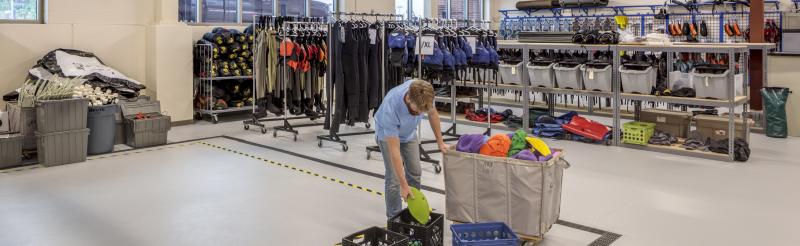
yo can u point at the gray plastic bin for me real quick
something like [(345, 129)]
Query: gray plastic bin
[(511, 74), (541, 76), (145, 132), (61, 115), (595, 79), (59, 148), (569, 77), (10, 150), (103, 129), (23, 120)]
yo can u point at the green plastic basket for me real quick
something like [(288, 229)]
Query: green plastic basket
[(637, 132)]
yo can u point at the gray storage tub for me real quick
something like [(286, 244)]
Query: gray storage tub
[(102, 125), (61, 115), (10, 150), (59, 148), (23, 120), (526, 195), (145, 132)]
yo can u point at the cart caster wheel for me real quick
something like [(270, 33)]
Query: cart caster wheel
[(368, 126), (369, 154), (438, 169), (198, 116), (263, 130), (345, 147), (275, 134), (214, 119), (246, 127), (295, 137), (319, 144)]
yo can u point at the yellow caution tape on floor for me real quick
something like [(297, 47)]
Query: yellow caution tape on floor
[(293, 168)]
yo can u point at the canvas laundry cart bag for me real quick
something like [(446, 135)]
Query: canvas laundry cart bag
[(526, 195)]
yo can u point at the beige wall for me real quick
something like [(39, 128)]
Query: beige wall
[(782, 71), (367, 6), (140, 38), (112, 29)]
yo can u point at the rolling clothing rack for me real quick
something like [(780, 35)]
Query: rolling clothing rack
[(422, 23), (260, 28), (334, 135)]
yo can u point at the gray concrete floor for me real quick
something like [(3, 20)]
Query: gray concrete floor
[(193, 194)]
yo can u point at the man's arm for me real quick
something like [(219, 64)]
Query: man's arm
[(436, 125), (397, 164)]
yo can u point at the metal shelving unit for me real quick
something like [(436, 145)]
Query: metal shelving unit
[(617, 97), (205, 86)]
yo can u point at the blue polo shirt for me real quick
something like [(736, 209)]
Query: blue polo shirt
[(393, 118)]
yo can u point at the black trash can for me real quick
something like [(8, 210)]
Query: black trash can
[(775, 111), (102, 128)]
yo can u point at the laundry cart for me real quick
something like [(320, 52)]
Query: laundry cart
[(526, 195)]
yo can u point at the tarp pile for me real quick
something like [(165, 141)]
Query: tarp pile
[(68, 63)]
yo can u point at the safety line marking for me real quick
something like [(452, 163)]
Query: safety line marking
[(300, 170), (100, 157), (140, 151)]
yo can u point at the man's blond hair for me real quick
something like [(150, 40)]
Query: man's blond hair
[(421, 94)]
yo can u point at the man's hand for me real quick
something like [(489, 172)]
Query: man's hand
[(443, 147), (405, 193)]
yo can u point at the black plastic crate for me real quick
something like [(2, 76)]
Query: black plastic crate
[(375, 237), (431, 234)]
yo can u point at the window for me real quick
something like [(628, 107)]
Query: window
[(401, 7), (320, 8), (461, 9), (251, 8), (418, 8), (21, 10), (292, 7), (475, 9), (457, 9), (187, 10), (220, 11), (441, 9), (241, 11)]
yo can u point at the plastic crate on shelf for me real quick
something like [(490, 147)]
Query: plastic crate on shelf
[(375, 237), (23, 120), (542, 76), (483, 234), (569, 77), (715, 86), (148, 131), (635, 132), (635, 81), (431, 234), (511, 74), (595, 79), (59, 148), (10, 150), (61, 115)]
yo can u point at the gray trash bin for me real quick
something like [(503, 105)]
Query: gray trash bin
[(103, 127)]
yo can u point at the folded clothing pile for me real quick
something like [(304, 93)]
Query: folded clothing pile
[(663, 138), (517, 145), (549, 127), (488, 115)]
